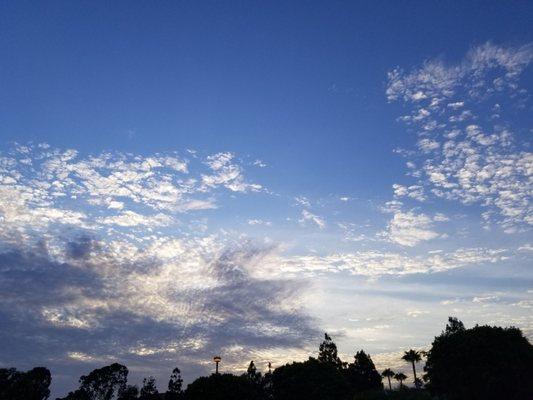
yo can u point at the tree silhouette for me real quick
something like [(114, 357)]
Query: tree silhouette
[(453, 326), (130, 393), (267, 384), (252, 374), (222, 387), (30, 385), (175, 386), (362, 374), (481, 363), (419, 383), (413, 357), (149, 389), (400, 377), (76, 395), (104, 383), (388, 373), (309, 380), (327, 352)]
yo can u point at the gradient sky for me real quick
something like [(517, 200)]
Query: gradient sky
[(184, 179)]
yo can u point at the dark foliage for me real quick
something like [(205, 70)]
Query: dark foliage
[(252, 374), (480, 363), (105, 383), (388, 373), (362, 374), (31, 385), (327, 352), (175, 386), (222, 387), (310, 380), (400, 377), (267, 386), (76, 395), (130, 393), (413, 357), (404, 394), (149, 390)]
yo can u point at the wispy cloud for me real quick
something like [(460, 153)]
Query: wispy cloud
[(308, 216), (374, 263), (227, 173)]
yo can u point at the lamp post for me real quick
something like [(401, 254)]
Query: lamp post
[(216, 359)]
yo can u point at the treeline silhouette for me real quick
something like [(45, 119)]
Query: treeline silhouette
[(481, 363)]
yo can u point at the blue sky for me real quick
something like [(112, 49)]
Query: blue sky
[(237, 178)]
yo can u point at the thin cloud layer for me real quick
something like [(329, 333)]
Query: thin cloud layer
[(380, 263)]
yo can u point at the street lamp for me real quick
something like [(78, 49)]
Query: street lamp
[(217, 359)]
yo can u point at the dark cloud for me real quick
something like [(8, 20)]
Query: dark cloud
[(80, 248), (31, 279), (248, 312)]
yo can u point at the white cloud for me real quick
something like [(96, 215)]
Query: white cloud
[(436, 80), (392, 206), (303, 201), (470, 162), (409, 229), (439, 217), (60, 187), (456, 105), (378, 263), (307, 216), (130, 218), (485, 299), (259, 222), (260, 164), (414, 191), (115, 205), (227, 174), (416, 313), (427, 145)]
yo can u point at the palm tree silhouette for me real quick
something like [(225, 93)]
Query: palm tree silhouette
[(400, 377), (388, 373), (413, 357)]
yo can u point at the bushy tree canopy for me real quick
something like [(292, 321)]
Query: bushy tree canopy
[(175, 386), (309, 380), (30, 385), (327, 352), (130, 393), (362, 374), (149, 389), (482, 363), (222, 387), (252, 374), (105, 383)]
